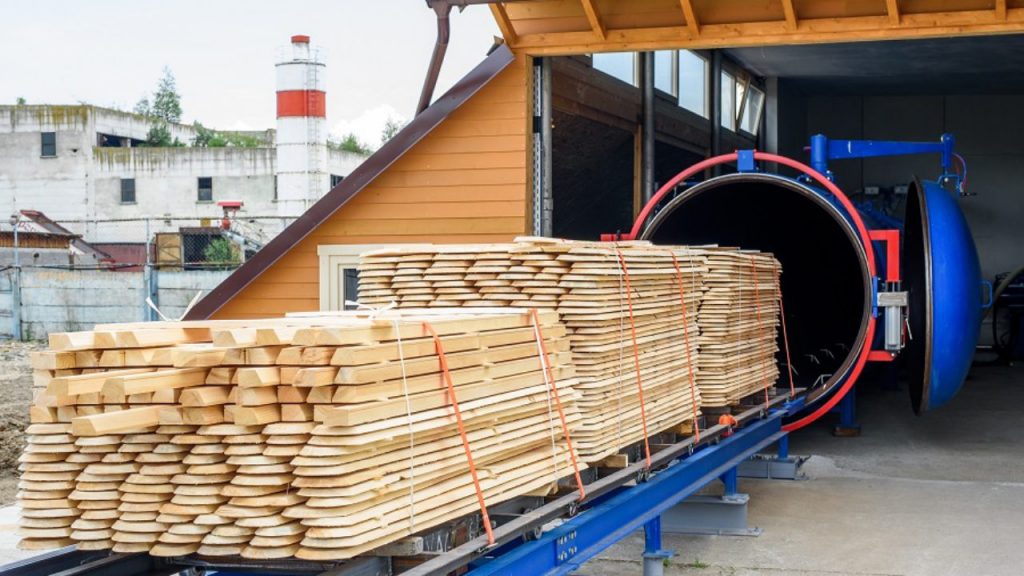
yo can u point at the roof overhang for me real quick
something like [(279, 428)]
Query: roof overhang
[(564, 27)]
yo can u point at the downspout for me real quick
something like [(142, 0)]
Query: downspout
[(443, 9)]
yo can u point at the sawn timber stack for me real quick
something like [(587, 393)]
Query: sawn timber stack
[(319, 437), (630, 308)]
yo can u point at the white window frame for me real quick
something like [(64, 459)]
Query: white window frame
[(335, 259)]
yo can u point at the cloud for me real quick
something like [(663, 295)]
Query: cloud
[(369, 125)]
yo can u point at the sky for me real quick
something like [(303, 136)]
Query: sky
[(222, 54)]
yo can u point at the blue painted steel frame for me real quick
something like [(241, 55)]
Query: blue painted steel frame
[(565, 548), (823, 149)]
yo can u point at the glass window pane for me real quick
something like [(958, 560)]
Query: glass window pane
[(621, 65), (693, 78), (48, 141), (752, 113), (663, 71), (728, 101), (205, 189), (127, 190)]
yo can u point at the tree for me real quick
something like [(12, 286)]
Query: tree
[(159, 135), (166, 100), (221, 252), (391, 127), (21, 101), (142, 107), (350, 143)]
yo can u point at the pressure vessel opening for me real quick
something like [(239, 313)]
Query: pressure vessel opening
[(825, 279)]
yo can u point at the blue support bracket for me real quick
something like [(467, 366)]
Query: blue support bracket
[(745, 161), (632, 508)]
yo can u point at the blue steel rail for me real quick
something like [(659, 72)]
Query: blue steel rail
[(616, 506)]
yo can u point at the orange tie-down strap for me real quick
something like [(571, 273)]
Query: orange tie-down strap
[(636, 354), (760, 332), (462, 430), (785, 342), (686, 341), (545, 364)]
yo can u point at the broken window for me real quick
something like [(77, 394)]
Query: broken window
[(48, 141), (205, 189)]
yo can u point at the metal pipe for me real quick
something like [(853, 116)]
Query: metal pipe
[(443, 9), (715, 84), (647, 132)]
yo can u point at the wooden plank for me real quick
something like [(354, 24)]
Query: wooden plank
[(892, 8), (790, 11), (504, 24), (259, 376), (690, 15), (594, 17), (88, 383), (154, 381), (121, 421), (205, 396)]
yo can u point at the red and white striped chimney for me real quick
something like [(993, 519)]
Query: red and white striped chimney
[(302, 176)]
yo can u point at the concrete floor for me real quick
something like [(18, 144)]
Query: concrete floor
[(941, 494)]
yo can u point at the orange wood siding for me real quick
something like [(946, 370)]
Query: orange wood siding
[(466, 181)]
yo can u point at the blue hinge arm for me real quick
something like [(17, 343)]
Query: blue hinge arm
[(824, 149)]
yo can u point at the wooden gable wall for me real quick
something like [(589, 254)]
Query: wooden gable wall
[(466, 181)]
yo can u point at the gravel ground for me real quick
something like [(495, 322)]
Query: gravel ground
[(15, 397)]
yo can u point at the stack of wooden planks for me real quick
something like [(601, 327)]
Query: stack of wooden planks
[(316, 436), (630, 308), (739, 321)]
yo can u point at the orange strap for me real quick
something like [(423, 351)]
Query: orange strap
[(443, 361), (545, 364), (760, 333), (686, 341), (785, 341), (636, 355)]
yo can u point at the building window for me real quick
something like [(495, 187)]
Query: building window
[(335, 180), (665, 71), (693, 83), (751, 119), (205, 189), (48, 141), (621, 65), (729, 104), (127, 190), (350, 287)]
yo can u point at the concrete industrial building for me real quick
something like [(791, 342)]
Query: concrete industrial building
[(86, 166)]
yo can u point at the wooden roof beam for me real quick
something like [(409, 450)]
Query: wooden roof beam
[(504, 22), (893, 8), (1001, 9), (790, 11), (594, 18), (691, 16)]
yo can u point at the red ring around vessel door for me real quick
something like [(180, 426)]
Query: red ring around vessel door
[(862, 231)]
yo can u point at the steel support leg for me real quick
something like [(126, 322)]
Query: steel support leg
[(778, 466), (708, 514), (654, 556), (848, 426)]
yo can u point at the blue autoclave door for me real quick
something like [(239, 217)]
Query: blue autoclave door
[(943, 278)]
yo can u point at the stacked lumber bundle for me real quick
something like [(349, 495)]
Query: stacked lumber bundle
[(739, 321), (630, 308), (319, 437)]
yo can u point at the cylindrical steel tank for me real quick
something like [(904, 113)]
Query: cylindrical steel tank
[(833, 271)]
